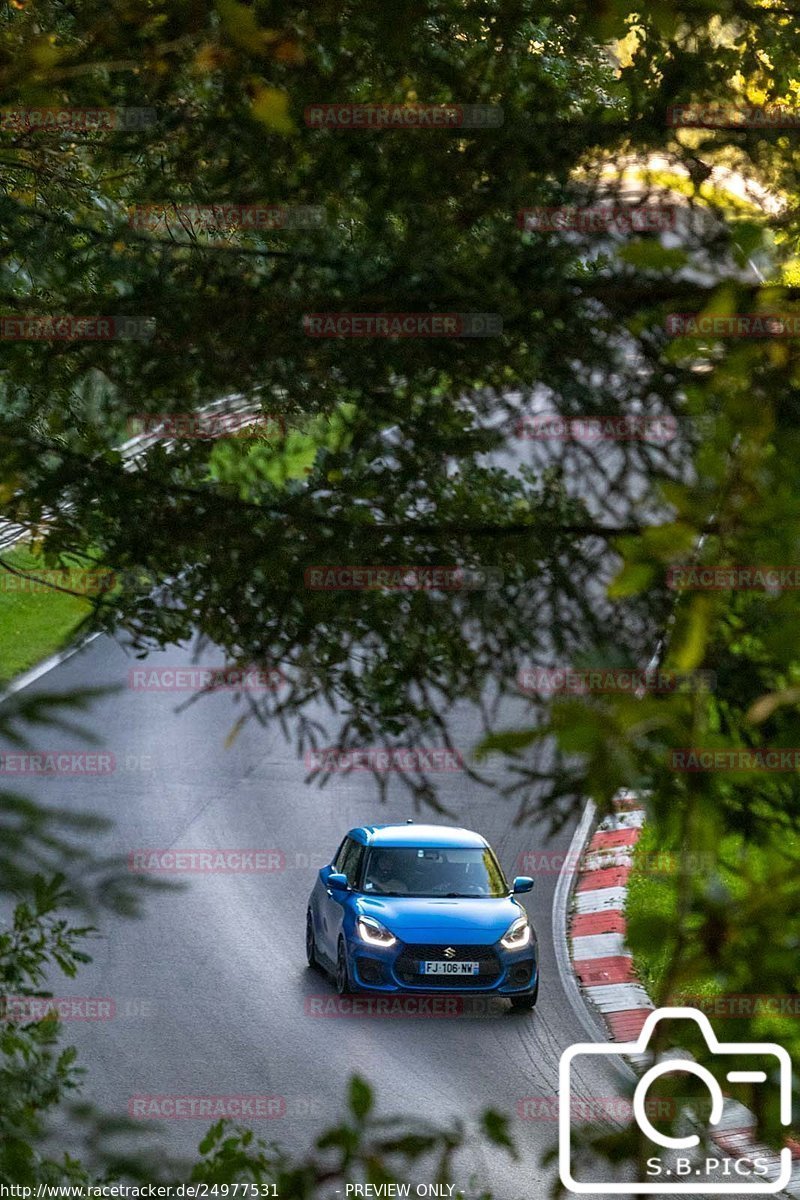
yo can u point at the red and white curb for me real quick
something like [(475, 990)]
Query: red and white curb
[(604, 968)]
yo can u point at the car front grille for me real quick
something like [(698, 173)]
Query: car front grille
[(407, 966)]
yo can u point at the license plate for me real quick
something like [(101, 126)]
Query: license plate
[(450, 968)]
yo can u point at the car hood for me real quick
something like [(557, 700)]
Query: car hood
[(481, 921)]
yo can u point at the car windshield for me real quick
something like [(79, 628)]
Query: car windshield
[(432, 871)]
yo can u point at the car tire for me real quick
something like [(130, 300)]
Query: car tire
[(342, 977), (527, 1002), (311, 942)]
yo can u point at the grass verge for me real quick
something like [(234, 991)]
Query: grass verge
[(737, 873), (34, 623)]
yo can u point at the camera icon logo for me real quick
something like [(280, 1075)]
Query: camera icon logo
[(684, 1171)]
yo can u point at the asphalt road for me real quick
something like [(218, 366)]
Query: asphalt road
[(210, 989), (211, 992)]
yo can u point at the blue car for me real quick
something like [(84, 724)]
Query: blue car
[(421, 908)]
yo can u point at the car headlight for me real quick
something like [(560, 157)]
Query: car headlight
[(517, 935), (370, 930)]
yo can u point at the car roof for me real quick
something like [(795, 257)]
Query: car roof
[(417, 835)]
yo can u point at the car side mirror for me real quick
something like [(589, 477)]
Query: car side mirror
[(522, 883), (337, 882)]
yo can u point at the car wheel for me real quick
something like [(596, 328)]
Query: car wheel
[(342, 975), (311, 945), (526, 1002)]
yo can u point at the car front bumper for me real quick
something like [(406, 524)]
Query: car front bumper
[(393, 970)]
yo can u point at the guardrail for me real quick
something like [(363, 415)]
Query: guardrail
[(134, 449)]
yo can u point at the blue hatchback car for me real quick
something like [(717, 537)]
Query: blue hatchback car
[(422, 908)]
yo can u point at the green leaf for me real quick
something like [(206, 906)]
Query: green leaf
[(241, 25), (212, 1136), (510, 741), (495, 1126), (359, 1097), (631, 580), (690, 651), (649, 255), (271, 106)]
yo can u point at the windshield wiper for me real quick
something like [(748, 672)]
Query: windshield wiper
[(465, 896)]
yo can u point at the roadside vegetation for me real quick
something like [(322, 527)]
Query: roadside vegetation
[(37, 619), (659, 907)]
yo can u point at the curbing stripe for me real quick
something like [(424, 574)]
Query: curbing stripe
[(611, 839), (606, 877), (602, 899), (598, 945), (566, 877), (620, 997), (629, 819), (591, 924), (626, 1025), (596, 971), (736, 1116), (604, 966), (627, 798), (598, 860)]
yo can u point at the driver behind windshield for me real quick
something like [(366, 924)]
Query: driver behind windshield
[(409, 871), (382, 876)]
